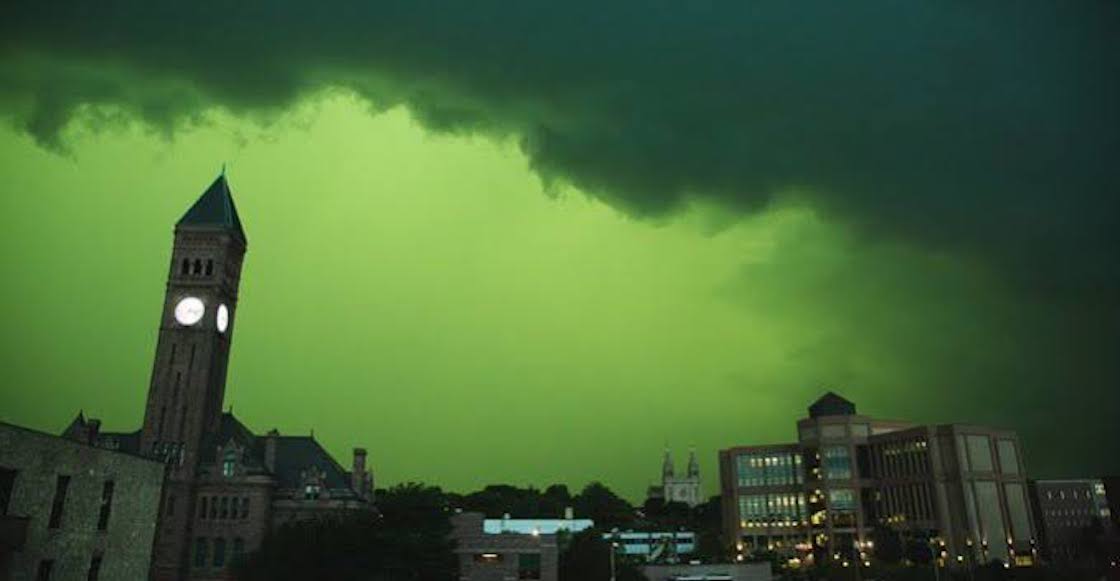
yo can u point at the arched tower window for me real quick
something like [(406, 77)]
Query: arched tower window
[(197, 267), (186, 267), (209, 266)]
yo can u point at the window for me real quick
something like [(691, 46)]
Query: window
[(200, 547), (979, 453), (197, 267), (833, 432), (841, 500), (311, 492), (202, 508), (44, 573), (213, 508), (488, 558), (186, 267), (837, 462), (529, 566), (60, 488), (229, 462), (7, 485), (223, 513), (1008, 459), (106, 505), (238, 550), (245, 507), (219, 552), (94, 568), (209, 266)]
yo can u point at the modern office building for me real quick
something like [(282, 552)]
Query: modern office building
[(1066, 512), (960, 487), (70, 510), (503, 549)]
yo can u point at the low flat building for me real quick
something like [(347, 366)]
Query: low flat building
[(504, 549), (654, 546), (960, 486), (715, 572), (71, 510)]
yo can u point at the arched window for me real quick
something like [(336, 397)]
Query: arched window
[(209, 266), (219, 552), (185, 269), (197, 267)]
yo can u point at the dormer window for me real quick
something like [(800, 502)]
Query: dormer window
[(311, 492), (229, 463)]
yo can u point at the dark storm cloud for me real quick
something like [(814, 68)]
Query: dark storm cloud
[(988, 129)]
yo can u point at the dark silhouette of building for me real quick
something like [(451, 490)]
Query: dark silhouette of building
[(1073, 517), (226, 486)]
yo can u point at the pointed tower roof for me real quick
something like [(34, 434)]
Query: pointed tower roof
[(667, 464), (831, 404), (693, 465), (214, 209)]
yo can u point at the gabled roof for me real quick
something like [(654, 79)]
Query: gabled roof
[(831, 404), (214, 209)]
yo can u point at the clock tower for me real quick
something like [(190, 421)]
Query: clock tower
[(197, 321)]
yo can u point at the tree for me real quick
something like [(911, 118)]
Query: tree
[(607, 509), (588, 558), (409, 539)]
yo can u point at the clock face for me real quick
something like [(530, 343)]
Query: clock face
[(223, 318), (189, 311)]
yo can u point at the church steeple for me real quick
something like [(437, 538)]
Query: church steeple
[(667, 465), (693, 465)]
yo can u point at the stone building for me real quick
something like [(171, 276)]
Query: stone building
[(960, 487), (226, 486), (673, 488), (72, 511)]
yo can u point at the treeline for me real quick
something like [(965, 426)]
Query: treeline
[(409, 535)]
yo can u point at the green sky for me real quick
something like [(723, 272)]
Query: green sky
[(425, 296)]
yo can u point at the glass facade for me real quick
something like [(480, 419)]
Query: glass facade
[(1008, 458), (1017, 510), (837, 462), (842, 500), (991, 519), (782, 509), (979, 453), (769, 469)]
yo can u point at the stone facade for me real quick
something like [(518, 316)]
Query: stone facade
[(226, 486), (77, 507)]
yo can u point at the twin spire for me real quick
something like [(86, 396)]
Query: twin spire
[(667, 468)]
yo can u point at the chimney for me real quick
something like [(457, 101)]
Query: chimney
[(93, 429), (358, 472), (270, 449)]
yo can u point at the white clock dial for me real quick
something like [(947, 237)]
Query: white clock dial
[(189, 311), (222, 319)]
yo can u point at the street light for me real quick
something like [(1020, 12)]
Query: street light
[(614, 548)]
